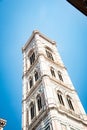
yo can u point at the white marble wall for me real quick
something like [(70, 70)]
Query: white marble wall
[(59, 117)]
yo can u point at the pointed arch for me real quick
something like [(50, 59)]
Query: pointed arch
[(32, 110), (60, 98), (31, 81), (30, 51), (49, 53), (69, 100), (36, 75), (52, 71), (39, 102), (60, 75)]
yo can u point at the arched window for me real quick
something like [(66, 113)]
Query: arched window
[(36, 75), (32, 58), (31, 82), (49, 54), (60, 98), (39, 102), (60, 76), (70, 103), (52, 71), (32, 110)]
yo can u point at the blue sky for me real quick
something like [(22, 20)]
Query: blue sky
[(58, 20)]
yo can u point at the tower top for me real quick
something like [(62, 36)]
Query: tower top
[(49, 101), (39, 34)]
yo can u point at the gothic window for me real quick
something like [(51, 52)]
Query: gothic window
[(52, 72), (39, 102), (70, 103), (36, 75), (49, 55), (31, 82), (32, 58), (59, 94), (60, 76), (32, 110)]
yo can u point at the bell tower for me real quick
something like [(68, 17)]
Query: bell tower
[(50, 101)]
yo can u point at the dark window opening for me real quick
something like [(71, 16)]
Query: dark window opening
[(70, 103), (60, 99), (39, 102), (32, 58), (52, 72), (32, 110), (36, 76), (31, 82), (60, 76), (49, 55)]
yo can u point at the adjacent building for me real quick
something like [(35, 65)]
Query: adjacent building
[(50, 101), (2, 123), (81, 5)]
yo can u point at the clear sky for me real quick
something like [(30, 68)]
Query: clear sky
[(58, 20)]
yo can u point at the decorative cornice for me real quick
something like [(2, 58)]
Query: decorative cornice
[(71, 114), (61, 83), (61, 110), (37, 119), (32, 36), (41, 54), (39, 81)]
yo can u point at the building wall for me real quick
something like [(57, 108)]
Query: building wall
[(53, 114)]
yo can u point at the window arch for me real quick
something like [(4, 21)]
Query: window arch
[(52, 71), (32, 110), (32, 58), (39, 102), (60, 75), (36, 75), (31, 82), (49, 53), (59, 94), (70, 103)]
